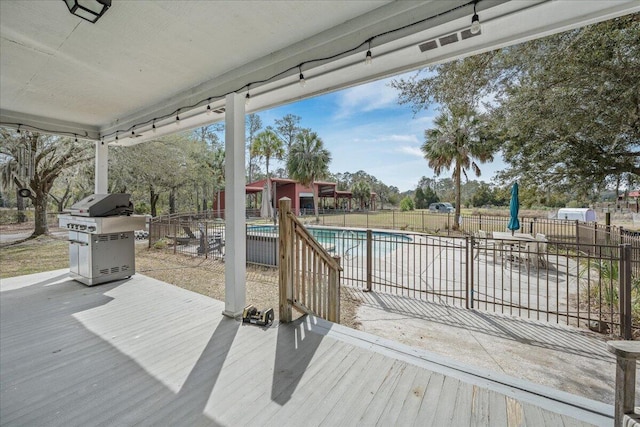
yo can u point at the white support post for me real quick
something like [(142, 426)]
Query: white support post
[(101, 181), (235, 207)]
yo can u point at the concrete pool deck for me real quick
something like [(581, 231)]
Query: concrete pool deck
[(562, 357)]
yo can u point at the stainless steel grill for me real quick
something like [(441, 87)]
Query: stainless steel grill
[(101, 238)]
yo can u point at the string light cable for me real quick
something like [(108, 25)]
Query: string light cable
[(207, 101)]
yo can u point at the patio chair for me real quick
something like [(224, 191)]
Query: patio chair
[(212, 243), (188, 232), (189, 239), (541, 253), (483, 242), (516, 254)]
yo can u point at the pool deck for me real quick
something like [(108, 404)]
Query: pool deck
[(144, 352)]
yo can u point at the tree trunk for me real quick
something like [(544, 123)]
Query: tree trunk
[(20, 206), (456, 220), (153, 200), (40, 214), (172, 201)]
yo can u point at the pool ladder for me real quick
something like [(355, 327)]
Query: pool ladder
[(347, 254)]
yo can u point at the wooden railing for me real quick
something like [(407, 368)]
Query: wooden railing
[(309, 276)]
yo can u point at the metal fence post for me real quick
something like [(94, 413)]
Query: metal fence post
[(149, 226), (469, 273), (175, 240), (369, 260), (625, 291)]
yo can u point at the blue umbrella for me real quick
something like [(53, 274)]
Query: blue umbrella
[(514, 207)]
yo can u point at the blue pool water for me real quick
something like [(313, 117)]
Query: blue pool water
[(345, 242)]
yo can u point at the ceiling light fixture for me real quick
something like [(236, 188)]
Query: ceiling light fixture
[(368, 59), (19, 129), (209, 107), (302, 81), (153, 128), (475, 20), (89, 10), (177, 118)]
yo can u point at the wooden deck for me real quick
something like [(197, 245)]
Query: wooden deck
[(147, 353)]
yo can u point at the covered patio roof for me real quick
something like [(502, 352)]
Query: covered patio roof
[(146, 62), (147, 66)]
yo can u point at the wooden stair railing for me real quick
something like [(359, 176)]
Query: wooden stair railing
[(309, 277)]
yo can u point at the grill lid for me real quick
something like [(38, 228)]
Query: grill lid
[(103, 205)]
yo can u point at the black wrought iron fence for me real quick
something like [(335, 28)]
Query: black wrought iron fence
[(574, 274), (548, 281)]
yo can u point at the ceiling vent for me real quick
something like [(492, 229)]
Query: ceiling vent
[(448, 39), (431, 44)]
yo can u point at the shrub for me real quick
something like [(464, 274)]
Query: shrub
[(161, 244), (407, 204)]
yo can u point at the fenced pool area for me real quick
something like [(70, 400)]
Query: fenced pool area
[(342, 242), (573, 282)]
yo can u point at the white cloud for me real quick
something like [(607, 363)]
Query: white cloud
[(368, 97), (402, 138), (413, 151)]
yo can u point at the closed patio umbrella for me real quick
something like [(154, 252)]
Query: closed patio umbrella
[(514, 208), (265, 206)]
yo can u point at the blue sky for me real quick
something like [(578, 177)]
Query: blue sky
[(366, 129)]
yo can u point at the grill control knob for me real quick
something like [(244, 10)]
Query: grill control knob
[(91, 229)]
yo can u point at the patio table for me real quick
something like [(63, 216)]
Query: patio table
[(526, 248)]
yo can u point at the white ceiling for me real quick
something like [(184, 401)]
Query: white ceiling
[(145, 60)]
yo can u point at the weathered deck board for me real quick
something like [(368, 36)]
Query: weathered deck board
[(426, 412), (497, 409), (445, 406), (463, 406), (413, 400), (479, 407), (358, 395), (147, 353), (392, 413)]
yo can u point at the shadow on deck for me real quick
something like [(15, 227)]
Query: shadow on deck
[(145, 352)]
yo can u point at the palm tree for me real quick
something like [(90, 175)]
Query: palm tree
[(362, 192), (267, 145), (456, 141), (308, 160)]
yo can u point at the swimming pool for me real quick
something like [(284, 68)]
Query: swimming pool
[(344, 242)]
